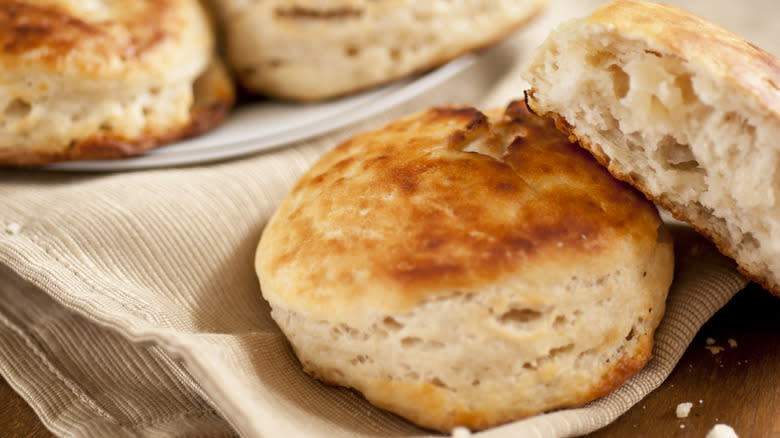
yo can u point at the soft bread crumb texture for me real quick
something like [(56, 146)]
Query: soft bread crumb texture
[(456, 268), (682, 109), (317, 50)]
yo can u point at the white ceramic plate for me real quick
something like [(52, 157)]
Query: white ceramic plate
[(270, 124)]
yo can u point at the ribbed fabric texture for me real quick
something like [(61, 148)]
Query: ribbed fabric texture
[(129, 304)]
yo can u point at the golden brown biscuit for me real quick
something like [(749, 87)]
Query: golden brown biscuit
[(681, 108), (466, 269), (309, 50), (82, 80)]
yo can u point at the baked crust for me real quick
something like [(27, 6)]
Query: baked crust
[(419, 157), (105, 80), (213, 99), (426, 404), (455, 267), (115, 38), (312, 51)]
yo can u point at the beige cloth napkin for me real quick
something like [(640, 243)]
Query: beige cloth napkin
[(129, 305)]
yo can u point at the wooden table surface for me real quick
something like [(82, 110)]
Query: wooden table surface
[(739, 385)]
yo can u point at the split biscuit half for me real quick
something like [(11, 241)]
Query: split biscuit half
[(684, 110)]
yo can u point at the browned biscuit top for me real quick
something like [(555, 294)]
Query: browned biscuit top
[(66, 34), (449, 198)]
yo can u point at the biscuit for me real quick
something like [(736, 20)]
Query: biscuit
[(308, 50), (682, 109), (84, 80), (466, 269)]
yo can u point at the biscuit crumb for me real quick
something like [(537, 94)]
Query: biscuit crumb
[(13, 228), (732, 343), (683, 409), (709, 341), (722, 431), (714, 349), (461, 432)]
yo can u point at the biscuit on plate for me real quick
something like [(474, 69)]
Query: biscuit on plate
[(310, 50), (466, 269), (681, 108), (84, 80)]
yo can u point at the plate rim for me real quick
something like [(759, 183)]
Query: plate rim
[(387, 97)]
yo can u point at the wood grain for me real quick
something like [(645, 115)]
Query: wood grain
[(17, 419), (739, 386)]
